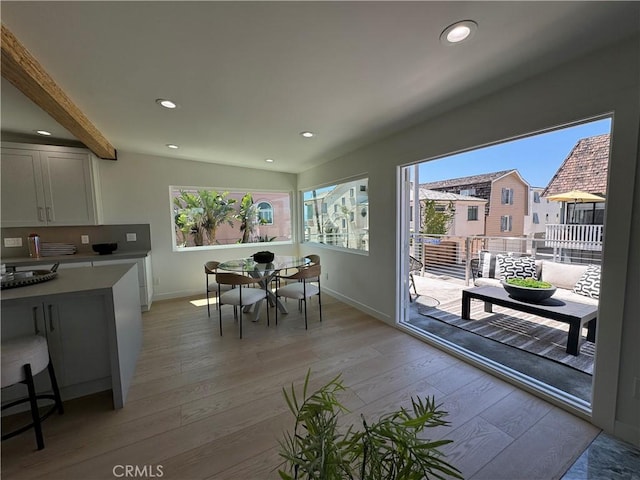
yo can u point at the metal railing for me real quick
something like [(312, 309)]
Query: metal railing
[(450, 256)]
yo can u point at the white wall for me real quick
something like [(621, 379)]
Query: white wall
[(135, 189), (601, 83)]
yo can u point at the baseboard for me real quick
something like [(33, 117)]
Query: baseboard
[(360, 306)]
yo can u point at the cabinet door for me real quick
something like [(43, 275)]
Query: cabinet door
[(22, 189), (68, 188), (78, 340), (21, 319)]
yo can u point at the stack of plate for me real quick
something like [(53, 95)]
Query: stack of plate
[(55, 249)]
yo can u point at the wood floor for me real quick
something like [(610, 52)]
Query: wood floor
[(209, 407)]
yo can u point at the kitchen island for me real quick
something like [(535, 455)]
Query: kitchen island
[(93, 325)]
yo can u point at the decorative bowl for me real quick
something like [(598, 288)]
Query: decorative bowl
[(104, 248), (263, 257), (528, 294)]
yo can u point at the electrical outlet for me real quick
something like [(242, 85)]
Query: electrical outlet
[(13, 242), (326, 275), (84, 239), (156, 281), (131, 237)]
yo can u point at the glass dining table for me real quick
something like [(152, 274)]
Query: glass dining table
[(267, 272)]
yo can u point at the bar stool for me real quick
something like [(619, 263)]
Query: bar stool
[(22, 358)]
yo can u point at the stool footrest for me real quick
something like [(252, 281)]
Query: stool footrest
[(44, 416)]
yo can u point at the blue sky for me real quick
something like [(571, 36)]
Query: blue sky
[(537, 158)]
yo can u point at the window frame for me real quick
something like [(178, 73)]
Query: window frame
[(472, 208), (237, 194), (357, 218), (506, 223)]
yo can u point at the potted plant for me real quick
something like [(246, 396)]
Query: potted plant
[(528, 289), (389, 448)]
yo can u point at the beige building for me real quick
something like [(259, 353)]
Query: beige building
[(507, 194)]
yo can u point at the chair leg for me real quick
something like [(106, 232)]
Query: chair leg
[(54, 387), (35, 414), (208, 307), (220, 317), (305, 313), (320, 305), (266, 301)]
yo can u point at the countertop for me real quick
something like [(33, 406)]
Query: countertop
[(76, 258), (72, 280)]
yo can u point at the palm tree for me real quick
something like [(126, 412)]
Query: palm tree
[(217, 209), (248, 217), (200, 214)]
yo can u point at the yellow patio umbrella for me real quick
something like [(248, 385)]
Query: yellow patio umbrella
[(576, 196)]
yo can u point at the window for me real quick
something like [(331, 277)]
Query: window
[(265, 213), (347, 224), (472, 213), (507, 196), (536, 197), (210, 217), (470, 192), (505, 223), (535, 218)]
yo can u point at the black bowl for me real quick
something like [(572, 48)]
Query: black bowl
[(104, 248), (528, 294), (263, 257)]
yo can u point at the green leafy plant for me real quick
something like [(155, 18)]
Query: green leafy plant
[(528, 282), (388, 449), (436, 221)]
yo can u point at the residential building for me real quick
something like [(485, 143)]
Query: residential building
[(542, 212), (468, 212), (507, 195), (579, 80), (585, 169)]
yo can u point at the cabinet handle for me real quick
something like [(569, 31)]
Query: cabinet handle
[(48, 209), (40, 214), (35, 320), (51, 327)]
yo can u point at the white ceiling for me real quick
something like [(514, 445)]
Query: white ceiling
[(249, 76)]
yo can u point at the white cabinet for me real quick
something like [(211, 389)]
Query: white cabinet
[(75, 328), (144, 277), (49, 185)]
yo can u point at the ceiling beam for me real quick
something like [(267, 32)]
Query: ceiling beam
[(25, 72)]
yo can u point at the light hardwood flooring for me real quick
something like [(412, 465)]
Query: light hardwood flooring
[(204, 406)]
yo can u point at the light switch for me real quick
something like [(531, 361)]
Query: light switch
[(131, 237)]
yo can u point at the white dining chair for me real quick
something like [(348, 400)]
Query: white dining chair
[(239, 297), (302, 288)]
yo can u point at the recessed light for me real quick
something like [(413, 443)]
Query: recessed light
[(172, 146), (268, 160), (307, 134), (43, 132), (163, 102), (458, 32)]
